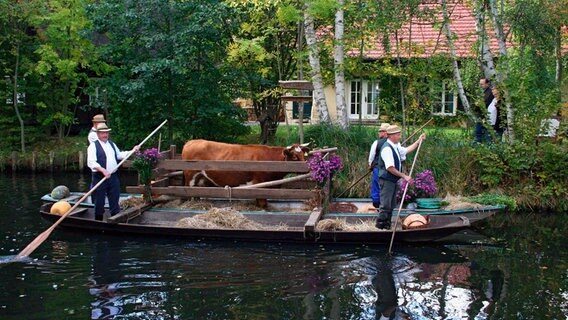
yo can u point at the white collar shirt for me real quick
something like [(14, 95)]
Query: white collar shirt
[(92, 137), (387, 156), (111, 164)]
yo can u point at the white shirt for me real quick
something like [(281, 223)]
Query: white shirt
[(111, 164), (401, 151), (372, 152), (386, 154), (92, 137), (492, 111)]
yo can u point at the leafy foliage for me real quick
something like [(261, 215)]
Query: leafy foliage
[(494, 199), (169, 59)]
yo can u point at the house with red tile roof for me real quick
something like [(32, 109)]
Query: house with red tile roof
[(421, 38)]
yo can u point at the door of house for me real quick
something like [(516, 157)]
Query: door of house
[(364, 99)]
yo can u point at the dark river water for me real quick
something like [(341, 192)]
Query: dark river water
[(521, 274)]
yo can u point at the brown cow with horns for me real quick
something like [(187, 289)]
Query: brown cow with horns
[(211, 150)]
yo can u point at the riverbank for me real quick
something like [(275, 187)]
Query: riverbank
[(534, 176), (69, 154)]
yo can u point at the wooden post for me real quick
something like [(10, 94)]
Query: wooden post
[(172, 151), (81, 161), (34, 164), (14, 160), (51, 159)]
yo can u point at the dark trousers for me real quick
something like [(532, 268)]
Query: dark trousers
[(480, 133), (375, 188), (109, 188), (388, 202)]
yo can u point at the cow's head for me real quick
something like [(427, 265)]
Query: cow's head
[(296, 152)]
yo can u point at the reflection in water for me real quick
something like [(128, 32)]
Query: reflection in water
[(403, 288), (74, 275), (122, 286), (383, 283), (106, 293)]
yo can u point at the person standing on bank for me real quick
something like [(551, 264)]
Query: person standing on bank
[(390, 171), (494, 111), (97, 119), (480, 131), (103, 157), (374, 155)]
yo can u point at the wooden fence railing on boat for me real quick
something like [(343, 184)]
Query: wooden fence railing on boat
[(169, 179)]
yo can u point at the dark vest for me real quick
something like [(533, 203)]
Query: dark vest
[(380, 144), (383, 173), (101, 155)]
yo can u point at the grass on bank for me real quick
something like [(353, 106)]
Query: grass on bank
[(534, 176)]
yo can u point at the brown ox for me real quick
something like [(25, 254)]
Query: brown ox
[(211, 150)]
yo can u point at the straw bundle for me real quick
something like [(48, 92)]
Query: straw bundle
[(189, 204), (224, 218), (131, 202), (459, 202), (343, 225)]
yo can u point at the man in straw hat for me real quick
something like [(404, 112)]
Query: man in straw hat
[(390, 171), (374, 155), (99, 118), (103, 157)]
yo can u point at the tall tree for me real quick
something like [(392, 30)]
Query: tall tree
[(316, 70), (457, 74), (169, 59), (66, 60), (338, 58), (502, 73), (16, 46), (262, 53), (486, 56)]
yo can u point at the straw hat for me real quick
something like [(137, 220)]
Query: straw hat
[(99, 118), (384, 126), (393, 129), (102, 127)]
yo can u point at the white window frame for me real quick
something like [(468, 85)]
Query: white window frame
[(359, 100), (444, 103)]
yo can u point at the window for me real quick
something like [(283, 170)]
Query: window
[(364, 99), (355, 101), (446, 100)]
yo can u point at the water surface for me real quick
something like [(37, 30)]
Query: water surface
[(76, 275)]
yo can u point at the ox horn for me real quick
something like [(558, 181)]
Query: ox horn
[(305, 145)]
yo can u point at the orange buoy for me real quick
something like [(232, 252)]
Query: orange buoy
[(60, 208)]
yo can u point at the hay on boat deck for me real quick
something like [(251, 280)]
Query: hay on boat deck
[(188, 205), (343, 225), (131, 202), (224, 218), (459, 202), (207, 205)]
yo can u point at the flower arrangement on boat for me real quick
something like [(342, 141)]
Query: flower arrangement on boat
[(321, 169), (144, 162), (423, 186)]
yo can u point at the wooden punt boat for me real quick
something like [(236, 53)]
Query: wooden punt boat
[(338, 208), (300, 226)]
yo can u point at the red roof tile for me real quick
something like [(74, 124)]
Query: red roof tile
[(424, 37)]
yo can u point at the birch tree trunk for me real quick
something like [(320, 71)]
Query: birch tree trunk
[(457, 74), (317, 79), (503, 70), (15, 100), (558, 54), (486, 59), (338, 58)]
